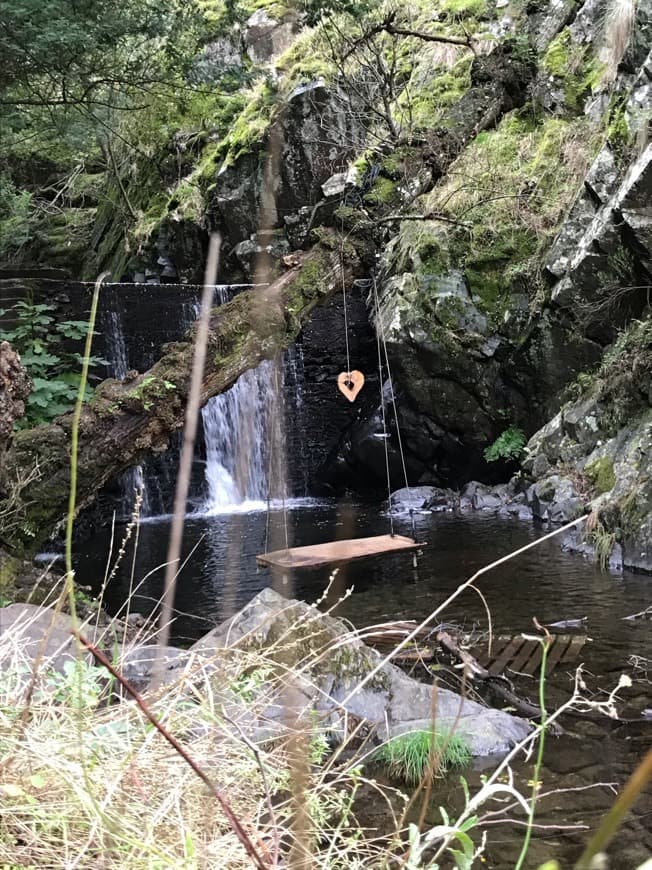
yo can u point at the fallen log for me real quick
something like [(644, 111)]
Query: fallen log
[(127, 420)]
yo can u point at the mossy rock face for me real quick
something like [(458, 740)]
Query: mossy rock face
[(9, 571), (601, 474), (575, 67), (523, 177)]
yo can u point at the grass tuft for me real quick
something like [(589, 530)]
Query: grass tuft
[(408, 756)]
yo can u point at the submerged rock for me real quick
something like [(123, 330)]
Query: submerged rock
[(333, 661)]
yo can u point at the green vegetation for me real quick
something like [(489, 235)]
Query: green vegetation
[(513, 185), (575, 66), (508, 445), (601, 474), (148, 391), (432, 91), (408, 756), (44, 343), (15, 218)]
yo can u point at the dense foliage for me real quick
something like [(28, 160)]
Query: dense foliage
[(45, 347)]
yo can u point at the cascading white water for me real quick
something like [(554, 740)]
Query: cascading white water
[(237, 426), (132, 481)]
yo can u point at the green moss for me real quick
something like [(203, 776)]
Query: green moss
[(520, 180), (601, 474), (308, 283), (428, 100), (304, 61), (579, 71), (557, 58), (383, 192), (148, 391), (248, 130), (187, 201), (9, 569), (465, 9), (420, 249)]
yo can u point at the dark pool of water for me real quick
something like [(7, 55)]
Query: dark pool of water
[(221, 575)]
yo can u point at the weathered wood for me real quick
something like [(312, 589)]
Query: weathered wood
[(125, 421), (482, 679), (524, 656), (512, 648), (557, 651), (336, 551)]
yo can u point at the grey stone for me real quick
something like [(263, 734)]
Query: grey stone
[(582, 423), (32, 634), (486, 498), (266, 38), (602, 177), (412, 498), (555, 500), (391, 701), (336, 184), (540, 466)]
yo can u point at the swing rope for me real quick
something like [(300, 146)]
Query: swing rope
[(381, 338), (385, 434), (346, 316), (280, 415)]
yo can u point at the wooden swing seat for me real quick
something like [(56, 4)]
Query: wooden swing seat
[(336, 551)]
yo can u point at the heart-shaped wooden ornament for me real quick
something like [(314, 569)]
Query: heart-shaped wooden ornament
[(350, 383)]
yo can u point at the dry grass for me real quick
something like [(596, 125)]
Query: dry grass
[(88, 785)]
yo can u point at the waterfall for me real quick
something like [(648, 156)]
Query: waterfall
[(237, 434), (155, 479), (132, 480)]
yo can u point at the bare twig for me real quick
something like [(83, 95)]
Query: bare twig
[(187, 451)]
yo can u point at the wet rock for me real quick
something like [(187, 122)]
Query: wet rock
[(555, 500), (391, 701), (414, 498), (263, 253), (486, 498), (314, 137)]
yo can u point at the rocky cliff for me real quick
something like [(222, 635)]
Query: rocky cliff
[(492, 161)]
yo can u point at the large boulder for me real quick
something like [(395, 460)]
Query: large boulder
[(37, 639), (332, 661)]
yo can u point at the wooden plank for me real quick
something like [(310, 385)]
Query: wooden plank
[(337, 551), (534, 663), (528, 649), (507, 655), (574, 647), (498, 645), (559, 647)]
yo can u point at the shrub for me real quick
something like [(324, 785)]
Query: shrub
[(43, 343), (508, 445)]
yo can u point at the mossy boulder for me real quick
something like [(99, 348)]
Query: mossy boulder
[(324, 661)]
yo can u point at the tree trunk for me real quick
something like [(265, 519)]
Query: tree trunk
[(125, 421)]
